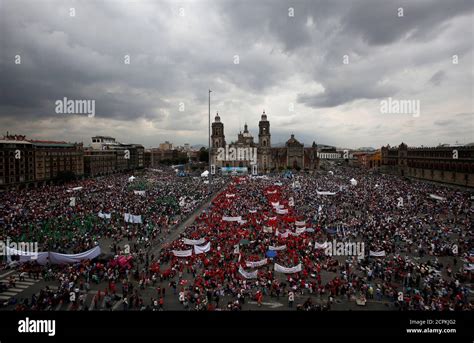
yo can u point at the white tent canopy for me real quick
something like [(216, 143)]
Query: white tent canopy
[(205, 173)]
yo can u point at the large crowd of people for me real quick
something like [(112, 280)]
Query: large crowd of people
[(261, 241)]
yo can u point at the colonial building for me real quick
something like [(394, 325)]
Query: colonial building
[(449, 164), (25, 162), (245, 152), (17, 162), (107, 156)]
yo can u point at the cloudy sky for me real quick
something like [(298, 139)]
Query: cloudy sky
[(320, 69)]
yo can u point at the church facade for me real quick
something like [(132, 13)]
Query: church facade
[(251, 154)]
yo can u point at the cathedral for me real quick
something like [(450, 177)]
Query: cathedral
[(260, 156)]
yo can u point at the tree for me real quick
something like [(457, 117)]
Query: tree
[(203, 155)]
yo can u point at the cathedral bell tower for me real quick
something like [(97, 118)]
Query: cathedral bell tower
[(264, 145), (217, 136), (217, 140), (264, 132)]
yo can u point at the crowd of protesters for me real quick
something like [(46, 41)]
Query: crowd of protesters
[(426, 243)]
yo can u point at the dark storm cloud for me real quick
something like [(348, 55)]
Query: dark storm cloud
[(175, 60), (378, 22)]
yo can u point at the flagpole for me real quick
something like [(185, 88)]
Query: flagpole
[(209, 146)]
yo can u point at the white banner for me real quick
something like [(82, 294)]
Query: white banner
[(281, 247), (236, 249), (300, 230), (228, 195), (248, 275), (282, 235), (72, 202), (437, 197), (275, 204), (257, 263), (320, 246), (57, 258), (194, 241), (104, 215), (26, 256), (142, 193), (325, 193), (182, 253), (202, 249), (232, 219), (130, 218), (309, 229), (377, 253), (253, 211), (267, 229), (241, 222), (300, 223), (271, 192), (286, 270), (285, 211)]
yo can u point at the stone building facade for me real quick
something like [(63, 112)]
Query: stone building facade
[(294, 155), (448, 164)]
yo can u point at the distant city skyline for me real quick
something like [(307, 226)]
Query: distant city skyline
[(323, 70)]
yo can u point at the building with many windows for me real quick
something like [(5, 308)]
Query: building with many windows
[(448, 164), (25, 162)]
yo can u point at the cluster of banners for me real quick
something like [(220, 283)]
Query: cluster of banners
[(286, 270), (130, 218), (257, 263), (104, 215), (142, 193), (281, 247), (199, 241), (297, 232), (53, 257), (197, 250), (232, 219), (248, 275), (377, 253)]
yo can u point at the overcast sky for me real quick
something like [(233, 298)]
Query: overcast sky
[(254, 55)]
